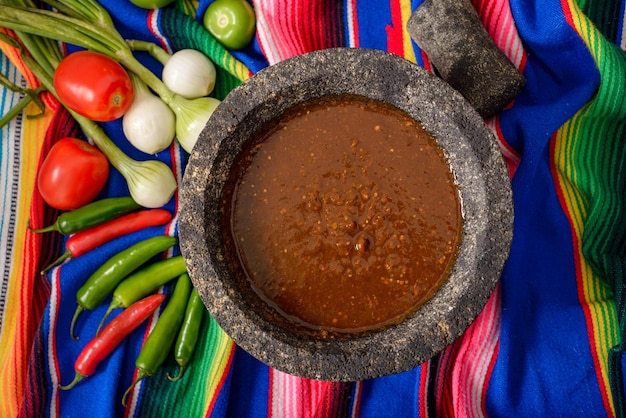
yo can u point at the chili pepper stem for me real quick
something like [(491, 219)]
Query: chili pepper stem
[(140, 375), (50, 228), (77, 378), (181, 371), (79, 309), (106, 315), (56, 262)]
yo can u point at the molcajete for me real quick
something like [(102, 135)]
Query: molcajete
[(476, 167)]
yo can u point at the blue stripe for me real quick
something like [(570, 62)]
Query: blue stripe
[(544, 356)]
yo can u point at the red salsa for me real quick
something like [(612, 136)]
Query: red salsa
[(343, 215)]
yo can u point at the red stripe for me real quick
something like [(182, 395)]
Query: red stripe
[(358, 389), (223, 378), (512, 163), (493, 15), (423, 389), (567, 13), (131, 394), (440, 378), (427, 64), (334, 24), (498, 18), (446, 403), (328, 27), (494, 357), (604, 391), (479, 6), (319, 18), (152, 20), (395, 31), (355, 24), (288, 20), (310, 16), (53, 328), (175, 152), (270, 391)]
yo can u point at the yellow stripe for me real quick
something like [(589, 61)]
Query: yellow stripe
[(223, 346), (14, 341), (240, 70), (189, 7), (407, 46), (596, 294)]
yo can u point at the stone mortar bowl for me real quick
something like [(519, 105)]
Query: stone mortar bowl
[(475, 159)]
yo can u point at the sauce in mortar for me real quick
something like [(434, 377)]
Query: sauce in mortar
[(343, 215)]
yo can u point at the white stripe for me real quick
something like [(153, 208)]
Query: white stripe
[(476, 379), (468, 376), (178, 157), (154, 17), (506, 151), (275, 412), (266, 39), (350, 7), (137, 388), (357, 390), (51, 349), (10, 145), (622, 36), (513, 43)]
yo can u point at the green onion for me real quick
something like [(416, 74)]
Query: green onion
[(88, 25), (151, 183), (149, 124)]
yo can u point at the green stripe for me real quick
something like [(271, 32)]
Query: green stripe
[(604, 14), (598, 152), (186, 396), (185, 32)]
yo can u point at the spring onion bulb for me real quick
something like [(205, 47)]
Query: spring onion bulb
[(149, 124), (189, 73), (151, 183), (191, 117)]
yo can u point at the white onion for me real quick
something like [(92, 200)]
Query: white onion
[(149, 124), (151, 183), (189, 73), (191, 118)]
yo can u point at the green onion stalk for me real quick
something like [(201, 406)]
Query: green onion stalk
[(151, 183), (85, 23), (29, 95)]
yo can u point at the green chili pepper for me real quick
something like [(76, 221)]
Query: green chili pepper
[(106, 278), (189, 333), (92, 214), (144, 282), (159, 342)]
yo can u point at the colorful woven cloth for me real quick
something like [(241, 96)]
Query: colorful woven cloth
[(548, 343)]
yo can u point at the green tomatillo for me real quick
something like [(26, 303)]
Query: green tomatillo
[(231, 22), (151, 4)]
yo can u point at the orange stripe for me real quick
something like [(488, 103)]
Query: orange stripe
[(22, 314), (220, 368), (599, 339), (599, 367), (398, 39), (423, 389), (21, 317)]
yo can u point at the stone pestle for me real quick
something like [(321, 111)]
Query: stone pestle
[(464, 55)]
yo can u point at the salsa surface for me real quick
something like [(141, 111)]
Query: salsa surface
[(343, 215)]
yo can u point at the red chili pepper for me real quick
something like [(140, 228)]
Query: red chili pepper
[(111, 336), (84, 241)]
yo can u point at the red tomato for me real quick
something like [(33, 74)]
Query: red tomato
[(72, 174), (93, 85)]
